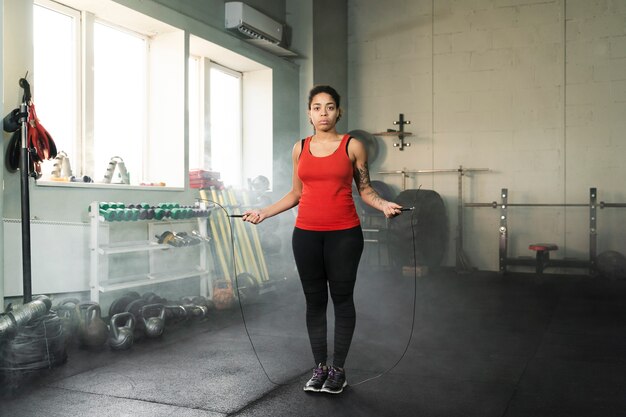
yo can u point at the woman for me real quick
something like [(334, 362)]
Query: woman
[(327, 238)]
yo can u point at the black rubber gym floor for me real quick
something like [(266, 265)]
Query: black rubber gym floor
[(483, 345)]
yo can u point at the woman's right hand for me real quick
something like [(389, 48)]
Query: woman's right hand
[(254, 216)]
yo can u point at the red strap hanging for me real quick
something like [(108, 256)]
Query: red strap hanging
[(38, 136), (39, 141)]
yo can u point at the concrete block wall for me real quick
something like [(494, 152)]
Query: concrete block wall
[(534, 90), (596, 109)]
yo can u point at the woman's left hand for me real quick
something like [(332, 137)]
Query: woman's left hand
[(391, 209)]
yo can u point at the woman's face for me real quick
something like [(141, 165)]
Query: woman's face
[(323, 112)]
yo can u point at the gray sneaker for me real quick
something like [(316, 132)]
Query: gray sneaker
[(336, 381), (315, 384)]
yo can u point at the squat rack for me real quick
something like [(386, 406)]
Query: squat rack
[(462, 262), (503, 230)]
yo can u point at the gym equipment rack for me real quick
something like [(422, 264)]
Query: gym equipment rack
[(101, 248), (505, 260)]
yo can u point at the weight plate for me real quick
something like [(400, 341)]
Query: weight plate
[(370, 142), (419, 236), (199, 301), (247, 286), (119, 305), (133, 294), (151, 297), (135, 307)]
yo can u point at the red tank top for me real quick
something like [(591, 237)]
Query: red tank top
[(326, 202)]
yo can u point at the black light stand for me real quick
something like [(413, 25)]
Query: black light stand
[(24, 181)]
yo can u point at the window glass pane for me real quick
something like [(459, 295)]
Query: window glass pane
[(119, 100), (226, 152), (55, 79), (196, 149)]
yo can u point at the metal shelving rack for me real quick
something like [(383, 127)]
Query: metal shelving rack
[(101, 248)]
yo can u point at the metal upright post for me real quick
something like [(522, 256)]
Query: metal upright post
[(25, 195), (504, 237), (593, 236), (462, 262), (459, 227), (401, 133)]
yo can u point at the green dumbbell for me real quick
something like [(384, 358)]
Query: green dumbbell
[(159, 213), (108, 214), (176, 213)]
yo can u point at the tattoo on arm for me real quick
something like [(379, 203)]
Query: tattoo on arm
[(362, 177)]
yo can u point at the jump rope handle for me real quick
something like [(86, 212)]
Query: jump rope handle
[(402, 209)]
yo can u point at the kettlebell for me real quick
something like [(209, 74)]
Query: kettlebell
[(197, 312), (66, 310), (93, 332), (175, 313), (223, 297), (153, 326), (121, 333)]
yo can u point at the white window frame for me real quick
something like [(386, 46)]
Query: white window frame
[(239, 76), (205, 65), (88, 99), (170, 45), (78, 85), (257, 102), (203, 127)]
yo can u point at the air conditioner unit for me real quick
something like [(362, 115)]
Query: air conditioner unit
[(252, 23)]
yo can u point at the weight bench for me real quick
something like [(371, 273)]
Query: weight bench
[(543, 255)]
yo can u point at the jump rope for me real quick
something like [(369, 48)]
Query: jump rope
[(413, 211)]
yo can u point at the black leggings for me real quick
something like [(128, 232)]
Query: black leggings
[(328, 259)]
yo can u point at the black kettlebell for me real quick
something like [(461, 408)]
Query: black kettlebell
[(154, 325), (121, 333), (196, 312), (175, 313), (93, 332), (68, 313)]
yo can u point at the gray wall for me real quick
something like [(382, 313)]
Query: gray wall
[(320, 37), (330, 49), (534, 90), (300, 18)]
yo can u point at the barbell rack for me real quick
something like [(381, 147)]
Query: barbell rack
[(505, 261)]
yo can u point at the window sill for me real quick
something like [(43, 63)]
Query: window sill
[(92, 185)]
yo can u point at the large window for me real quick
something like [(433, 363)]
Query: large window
[(109, 84), (230, 114), (109, 92), (56, 76), (120, 79), (226, 123), (196, 115), (218, 145)]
